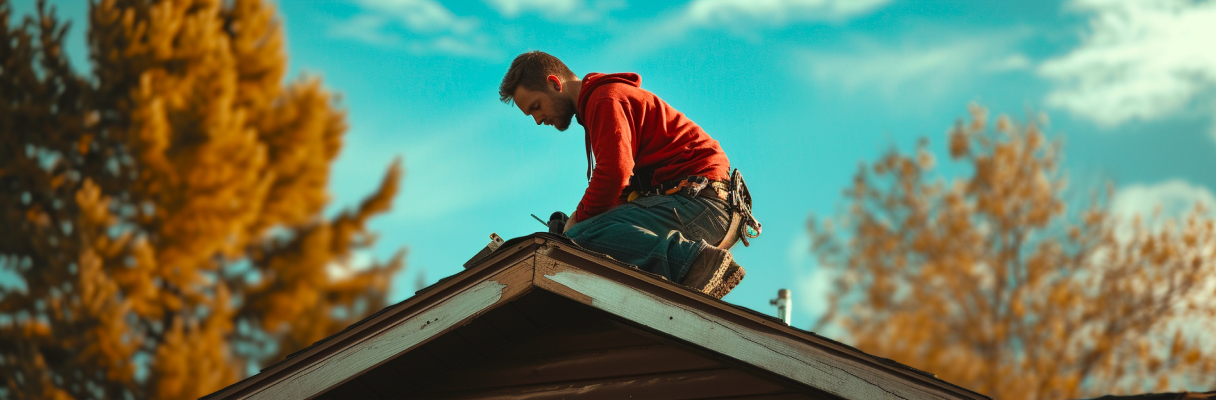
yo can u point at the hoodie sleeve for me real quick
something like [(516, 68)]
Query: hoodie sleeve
[(612, 142)]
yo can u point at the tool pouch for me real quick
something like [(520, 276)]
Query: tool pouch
[(740, 201)]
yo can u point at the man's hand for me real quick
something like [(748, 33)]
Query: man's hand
[(569, 223)]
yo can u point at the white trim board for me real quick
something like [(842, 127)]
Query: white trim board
[(325, 374), (794, 360)]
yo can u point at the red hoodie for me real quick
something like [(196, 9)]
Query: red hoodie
[(630, 129)]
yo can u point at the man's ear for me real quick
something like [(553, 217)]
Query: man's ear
[(555, 82)]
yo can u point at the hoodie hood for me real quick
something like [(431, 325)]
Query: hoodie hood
[(595, 80), (590, 83)]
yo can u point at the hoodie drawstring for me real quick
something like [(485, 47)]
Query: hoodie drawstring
[(587, 140)]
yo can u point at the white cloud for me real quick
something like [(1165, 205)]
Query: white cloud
[(366, 28), (745, 18), (811, 296), (568, 10), (928, 70), (424, 16), (512, 8), (813, 283), (423, 26), (1174, 198), (477, 46), (1141, 59), (1011, 62), (772, 12)]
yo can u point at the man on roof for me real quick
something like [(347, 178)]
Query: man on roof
[(657, 192)]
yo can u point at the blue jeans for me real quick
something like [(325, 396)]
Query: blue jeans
[(659, 234)]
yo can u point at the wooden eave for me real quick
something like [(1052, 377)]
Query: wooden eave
[(556, 265)]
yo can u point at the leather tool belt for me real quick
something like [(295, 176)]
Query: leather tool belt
[(738, 198), (691, 186), (694, 186)]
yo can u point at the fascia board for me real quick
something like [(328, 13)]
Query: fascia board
[(413, 322)]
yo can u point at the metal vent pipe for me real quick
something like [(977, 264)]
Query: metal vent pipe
[(783, 305)]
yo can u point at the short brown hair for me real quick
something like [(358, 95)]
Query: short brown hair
[(530, 70)]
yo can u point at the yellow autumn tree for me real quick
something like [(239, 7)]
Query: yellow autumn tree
[(990, 282), (162, 225)]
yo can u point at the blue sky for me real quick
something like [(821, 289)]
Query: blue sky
[(797, 91)]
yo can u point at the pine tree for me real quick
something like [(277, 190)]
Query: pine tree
[(988, 282), (164, 214)]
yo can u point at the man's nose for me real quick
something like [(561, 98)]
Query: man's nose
[(537, 118)]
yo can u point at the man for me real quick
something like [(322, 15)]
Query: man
[(632, 133)]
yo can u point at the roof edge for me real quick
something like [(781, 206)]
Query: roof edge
[(462, 296), (619, 290)]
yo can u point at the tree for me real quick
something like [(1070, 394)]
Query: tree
[(164, 215), (991, 284)]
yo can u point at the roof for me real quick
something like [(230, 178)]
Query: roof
[(1163, 396), (636, 302)]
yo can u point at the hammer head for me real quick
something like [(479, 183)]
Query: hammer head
[(557, 222)]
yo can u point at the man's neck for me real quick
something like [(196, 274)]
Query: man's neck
[(576, 89)]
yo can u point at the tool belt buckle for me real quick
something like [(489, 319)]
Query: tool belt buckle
[(690, 186)]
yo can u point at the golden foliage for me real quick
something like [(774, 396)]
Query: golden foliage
[(165, 215), (989, 283)]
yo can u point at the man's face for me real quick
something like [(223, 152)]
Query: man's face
[(547, 107)]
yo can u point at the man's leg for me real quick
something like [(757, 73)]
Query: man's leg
[(659, 234)]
